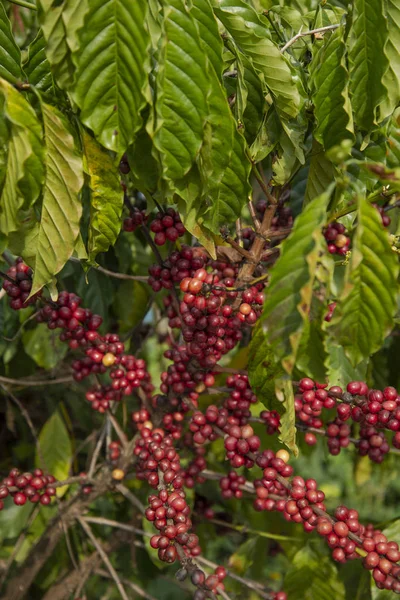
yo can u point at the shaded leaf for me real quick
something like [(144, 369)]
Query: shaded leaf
[(329, 83), (340, 371), (44, 346), (37, 67), (10, 54), (391, 78), (368, 61), (320, 174), (131, 304), (61, 209), (287, 430), (106, 198)]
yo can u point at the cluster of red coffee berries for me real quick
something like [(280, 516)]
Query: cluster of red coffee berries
[(167, 226), (338, 242), (35, 487), (385, 218), (18, 285), (136, 219)]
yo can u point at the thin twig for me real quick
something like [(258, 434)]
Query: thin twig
[(117, 525), (122, 437), (104, 557), (21, 328), (128, 583), (35, 382), (143, 278), (96, 453), (305, 33), (129, 496), (263, 185), (254, 216)]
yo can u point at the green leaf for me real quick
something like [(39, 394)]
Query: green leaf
[(13, 519), (313, 577), (223, 162), (24, 171), (320, 174), (364, 315), (61, 209), (290, 292), (112, 66), (131, 313), (311, 353), (340, 371), (329, 83), (37, 67), (368, 61), (183, 86), (287, 430), (10, 54), (391, 78), (145, 168), (61, 23), (263, 369), (106, 199), (253, 39), (44, 346), (55, 450)]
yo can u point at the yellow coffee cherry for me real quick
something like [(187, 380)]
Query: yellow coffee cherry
[(118, 474), (109, 359), (341, 241), (283, 455)]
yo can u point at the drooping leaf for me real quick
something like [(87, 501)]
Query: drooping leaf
[(290, 291), (60, 24), (106, 199), (10, 54), (112, 64), (313, 577), (25, 171), (182, 90), (329, 84), (391, 78), (287, 430), (320, 174), (131, 304), (263, 368), (55, 450), (37, 66), (368, 61), (61, 209), (253, 38), (364, 315)]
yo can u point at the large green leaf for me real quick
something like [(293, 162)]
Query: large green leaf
[(54, 454), (106, 200), (287, 430), (183, 86), (290, 292), (61, 209), (329, 84), (61, 23), (223, 152), (253, 39), (340, 371), (10, 54), (25, 170), (368, 61), (112, 65), (313, 577), (37, 67), (364, 315), (391, 79)]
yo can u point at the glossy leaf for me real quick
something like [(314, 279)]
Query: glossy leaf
[(60, 25), (61, 209), (253, 38), (320, 174), (329, 84), (106, 198), (55, 454), (183, 87), (24, 173), (290, 291), (368, 61), (10, 54), (364, 315), (112, 63)]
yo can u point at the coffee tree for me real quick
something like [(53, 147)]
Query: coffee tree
[(199, 230)]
